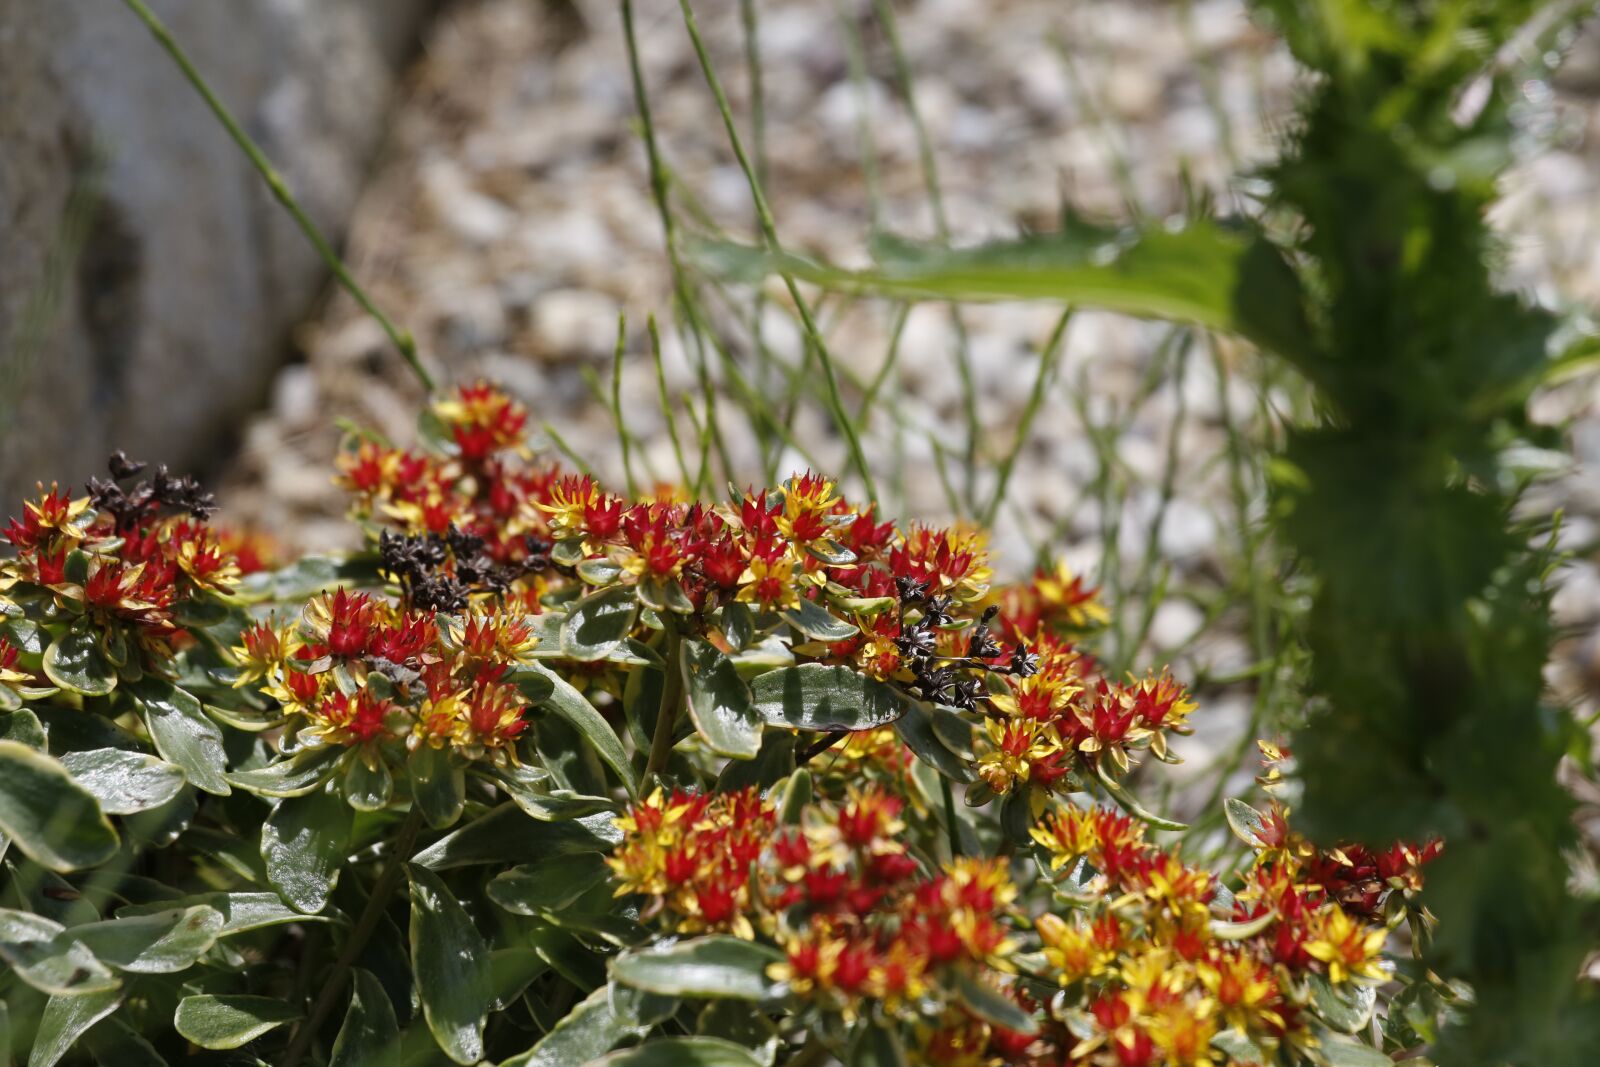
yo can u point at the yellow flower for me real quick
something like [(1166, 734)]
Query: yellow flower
[(1349, 948)]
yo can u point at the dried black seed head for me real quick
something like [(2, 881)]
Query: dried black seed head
[(1023, 664), (912, 590), (936, 612), (122, 467)]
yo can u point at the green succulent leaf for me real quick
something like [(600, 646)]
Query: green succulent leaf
[(506, 835), (45, 956), (225, 1022), (598, 623), (823, 698), (993, 1006), (719, 701), (183, 734), (818, 623), (551, 885), (1130, 804), (124, 782), (682, 1052), (918, 730), (601, 1021), (452, 967), (715, 966), (1246, 822), (368, 788), (23, 726), (438, 785), (370, 1036), (303, 844), (570, 704), (48, 814), (293, 777), (241, 913), (76, 662), (156, 943), (65, 1019)]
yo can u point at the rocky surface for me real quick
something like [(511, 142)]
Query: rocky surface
[(147, 280), (512, 222)]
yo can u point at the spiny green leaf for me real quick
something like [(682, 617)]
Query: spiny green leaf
[(52, 818)]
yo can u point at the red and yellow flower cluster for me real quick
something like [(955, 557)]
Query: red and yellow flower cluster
[(120, 565), (861, 924), (357, 668)]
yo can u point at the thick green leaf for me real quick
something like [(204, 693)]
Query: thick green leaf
[(452, 967), (292, 777), (876, 1046), (224, 1022), (303, 844), (1347, 1008), (916, 728), (570, 704), (370, 1036), (157, 943), (507, 836), (598, 623), (1245, 822), (183, 735), (719, 701), (1338, 1051), (991, 1005), (52, 818), (241, 912), (39, 952), (75, 661), (816, 697), (605, 1018), (1238, 1046), (1228, 280), (682, 1052), (549, 885), (716, 966), (1130, 804), (113, 1043), (816, 621), (738, 624), (124, 782), (23, 727), (367, 788), (552, 805), (796, 796), (65, 1019), (774, 762), (438, 785)]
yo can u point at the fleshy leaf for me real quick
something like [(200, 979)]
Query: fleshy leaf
[(452, 967), (48, 814)]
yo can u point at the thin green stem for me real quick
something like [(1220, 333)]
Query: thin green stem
[(666, 402), (402, 339), (1048, 359), (333, 986), (624, 438), (952, 831), (769, 232), (667, 713)]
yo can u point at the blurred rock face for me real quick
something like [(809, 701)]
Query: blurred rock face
[(147, 279)]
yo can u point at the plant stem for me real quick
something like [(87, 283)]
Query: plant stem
[(377, 904), (667, 714), (769, 233), (280, 190), (950, 828)]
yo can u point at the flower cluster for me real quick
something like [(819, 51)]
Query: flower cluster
[(1165, 959), (126, 567), (355, 668)]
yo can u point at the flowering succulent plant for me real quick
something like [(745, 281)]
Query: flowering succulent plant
[(680, 778)]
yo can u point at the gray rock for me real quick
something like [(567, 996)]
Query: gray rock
[(148, 280)]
